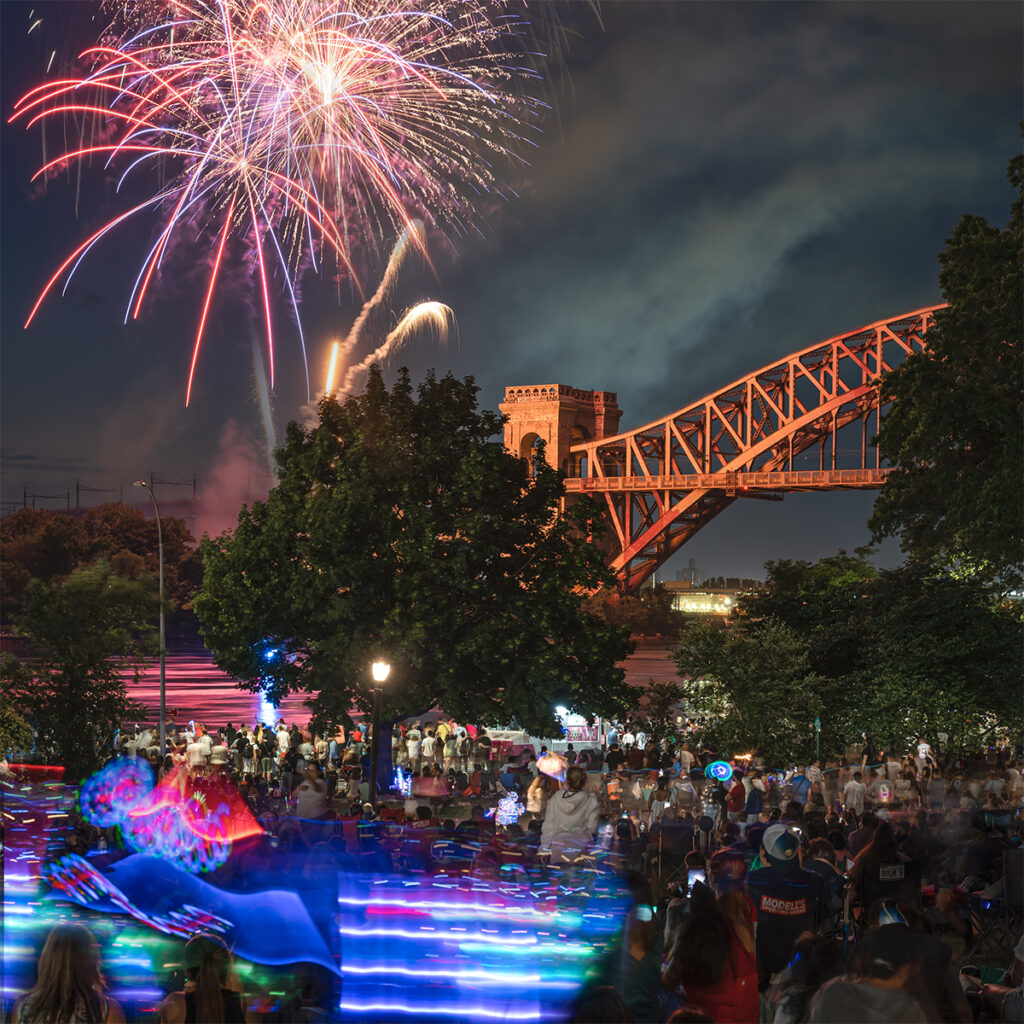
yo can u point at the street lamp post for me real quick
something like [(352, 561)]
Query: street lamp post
[(381, 670), (163, 648)]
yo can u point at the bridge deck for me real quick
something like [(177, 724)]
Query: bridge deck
[(798, 480)]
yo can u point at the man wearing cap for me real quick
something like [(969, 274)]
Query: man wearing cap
[(788, 900)]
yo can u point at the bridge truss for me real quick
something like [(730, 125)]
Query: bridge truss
[(774, 431)]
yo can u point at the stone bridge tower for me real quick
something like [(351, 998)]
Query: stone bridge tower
[(559, 416)]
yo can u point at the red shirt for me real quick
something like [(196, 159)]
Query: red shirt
[(734, 1000), (736, 798)]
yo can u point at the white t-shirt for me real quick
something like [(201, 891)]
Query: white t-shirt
[(196, 754), (428, 745), (923, 751), (283, 740), (853, 792), (206, 742), (686, 760)]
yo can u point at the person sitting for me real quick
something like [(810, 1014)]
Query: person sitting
[(570, 819), (872, 992), (788, 899), (311, 795), (713, 958), (69, 989), (211, 993)]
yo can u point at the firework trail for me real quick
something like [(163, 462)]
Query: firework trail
[(414, 234), (307, 129), (434, 315)]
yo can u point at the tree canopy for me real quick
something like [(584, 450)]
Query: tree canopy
[(646, 613), (84, 633), (402, 530), (955, 431), (48, 546), (891, 653)]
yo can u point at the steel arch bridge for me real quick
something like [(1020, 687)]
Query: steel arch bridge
[(774, 431)]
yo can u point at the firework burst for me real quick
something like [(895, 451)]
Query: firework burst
[(303, 129)]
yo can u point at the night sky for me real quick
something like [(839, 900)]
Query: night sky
[(721, 185)]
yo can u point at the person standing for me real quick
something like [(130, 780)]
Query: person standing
[(483, 746), (210, 992), (853, 795), (69, 986), (428, 748), (924, 751), (449, 750), (413, 743)]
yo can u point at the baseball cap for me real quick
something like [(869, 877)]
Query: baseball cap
[(781, 846)]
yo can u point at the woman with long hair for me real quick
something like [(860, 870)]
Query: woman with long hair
[(69, 989), (713, 958), (206, 997)]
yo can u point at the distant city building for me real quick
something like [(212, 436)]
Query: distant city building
[(691, 574), (715, 596)]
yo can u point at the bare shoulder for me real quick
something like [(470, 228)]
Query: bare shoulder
[(115, 1015), (172, 1010)]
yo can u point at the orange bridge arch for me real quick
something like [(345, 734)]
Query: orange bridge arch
[(802, 423)]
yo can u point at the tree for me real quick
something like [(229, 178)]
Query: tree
[(400, 530), (943, 657), (955, 431), (44, 545), (750, 687), (15, 732), (897, 652), (648, 613), (662, 703), (84, 633)]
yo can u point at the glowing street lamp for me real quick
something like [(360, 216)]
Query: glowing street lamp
[(163, 648), (381, 670)]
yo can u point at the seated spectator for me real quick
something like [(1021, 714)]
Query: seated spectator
[(571, 818), (821, 859), (69, 986), (816, 959), (788, 900), (872, 991), (713, 961), (639, 974), (211, 992)]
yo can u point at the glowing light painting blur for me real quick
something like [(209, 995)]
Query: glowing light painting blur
[(510, 809), (302, 129), (192, 822), (553, 765), (477, 937), (720, 771)]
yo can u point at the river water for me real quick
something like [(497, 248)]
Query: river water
[(198, 690)]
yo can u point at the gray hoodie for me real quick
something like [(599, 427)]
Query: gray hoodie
[(570, 823), (842, 1001)]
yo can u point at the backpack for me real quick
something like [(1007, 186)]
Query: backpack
[(246, 749), (464, 747)]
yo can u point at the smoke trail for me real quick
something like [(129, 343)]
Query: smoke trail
[(265, 401), (379, 302), (435, 315)]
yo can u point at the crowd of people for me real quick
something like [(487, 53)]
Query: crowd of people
[(826, 891)]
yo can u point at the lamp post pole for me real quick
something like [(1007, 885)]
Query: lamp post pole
[(381, 670), (163, 646)]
